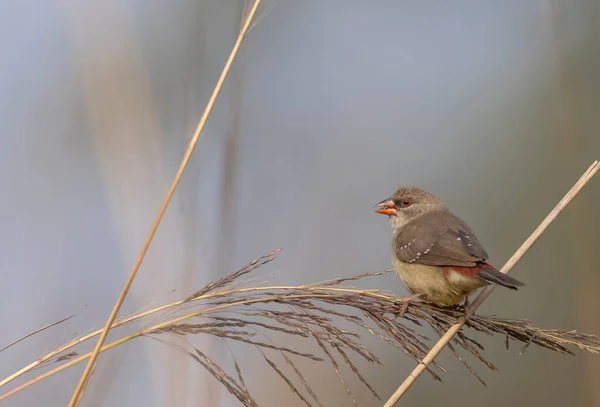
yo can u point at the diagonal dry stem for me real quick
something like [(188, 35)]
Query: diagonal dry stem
[(447, 337), (113, 315)]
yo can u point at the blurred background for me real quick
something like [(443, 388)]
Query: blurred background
[(330, 106)]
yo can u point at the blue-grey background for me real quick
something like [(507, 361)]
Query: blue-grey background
[(331, 105)]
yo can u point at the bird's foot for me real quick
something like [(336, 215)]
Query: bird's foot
[(405, 302)]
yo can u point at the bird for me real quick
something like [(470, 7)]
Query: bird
[(436, 254)]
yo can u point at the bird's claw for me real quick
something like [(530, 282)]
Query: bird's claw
[(403, 309)]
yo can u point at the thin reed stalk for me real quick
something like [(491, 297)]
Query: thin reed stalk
[(37, 331)]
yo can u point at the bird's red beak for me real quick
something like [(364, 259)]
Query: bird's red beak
[(387, 207)]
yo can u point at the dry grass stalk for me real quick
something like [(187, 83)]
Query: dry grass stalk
[(227, 309), (37, 331), (113, 315), (453, 330)]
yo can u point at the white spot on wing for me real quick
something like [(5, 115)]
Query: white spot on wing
[(429, 248)]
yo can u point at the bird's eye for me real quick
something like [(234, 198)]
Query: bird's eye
[(406, 203)]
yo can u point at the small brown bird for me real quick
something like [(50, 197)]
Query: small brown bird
[(435, 254)]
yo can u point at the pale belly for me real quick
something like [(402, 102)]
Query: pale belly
[(435, 286)]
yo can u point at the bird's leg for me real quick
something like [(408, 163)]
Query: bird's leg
[(466, 304), (406, 301)]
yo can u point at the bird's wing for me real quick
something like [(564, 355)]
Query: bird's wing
[(440, 239)]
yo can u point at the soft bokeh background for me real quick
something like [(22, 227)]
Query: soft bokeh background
[(331, 105)]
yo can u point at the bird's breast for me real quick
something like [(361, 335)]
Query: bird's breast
[(434, 285), (418, 278)]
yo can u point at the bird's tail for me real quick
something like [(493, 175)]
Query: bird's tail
[(491, 275)]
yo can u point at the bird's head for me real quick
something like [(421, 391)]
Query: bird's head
[(406, 204)]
